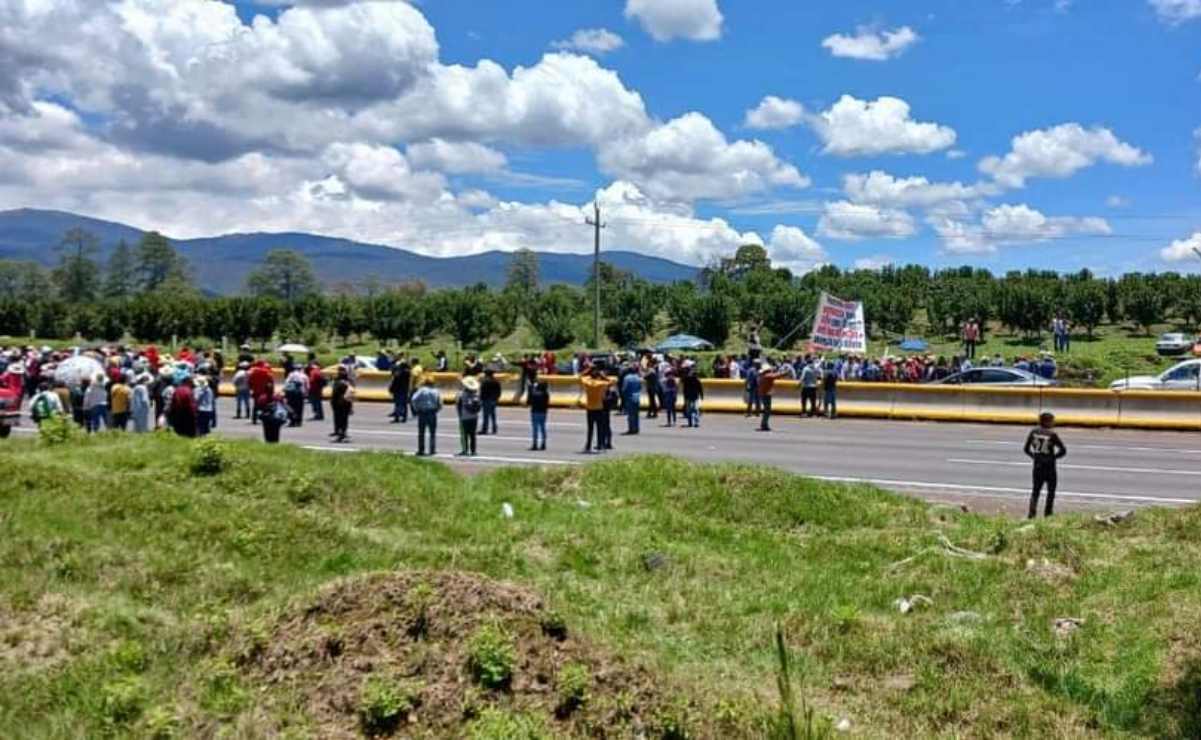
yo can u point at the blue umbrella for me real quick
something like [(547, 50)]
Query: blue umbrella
[(685, 342), (915, 345)]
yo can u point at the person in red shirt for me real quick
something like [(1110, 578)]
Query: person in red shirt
[(262, 388), (316, 386)]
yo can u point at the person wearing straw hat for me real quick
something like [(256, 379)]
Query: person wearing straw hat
[(767, 385), (468, 405)]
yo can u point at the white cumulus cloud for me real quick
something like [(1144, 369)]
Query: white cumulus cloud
[(664, 20), (855, 128), (1012, 224), (775, 113), (874, 262), (687, 158), (1177, 11), (592, 41), (882, 189), (1060, 152), (791, 247), (870, 44), (455, 157), (1182, 249), (852, 221)]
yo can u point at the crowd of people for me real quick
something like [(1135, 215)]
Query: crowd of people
[(141, 389)]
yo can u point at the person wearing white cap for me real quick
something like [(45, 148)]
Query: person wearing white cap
[(468, 405)]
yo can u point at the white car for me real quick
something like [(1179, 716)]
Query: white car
[(1185, 376), (1174, 344)]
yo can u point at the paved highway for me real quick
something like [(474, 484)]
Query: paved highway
[(980, 465)]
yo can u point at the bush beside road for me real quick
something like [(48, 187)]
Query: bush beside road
[(138, 575)]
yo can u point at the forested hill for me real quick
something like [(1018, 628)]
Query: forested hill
[(220, 264)]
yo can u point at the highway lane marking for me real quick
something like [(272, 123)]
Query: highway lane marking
[(984, 490), (1078, 446), (1069, 466)]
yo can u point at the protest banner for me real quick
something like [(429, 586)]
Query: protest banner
[(839, 326)]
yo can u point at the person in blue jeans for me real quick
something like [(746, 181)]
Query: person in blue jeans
[(670, 391), (631, 399), (539, 403), (490, 391), (426, 404)]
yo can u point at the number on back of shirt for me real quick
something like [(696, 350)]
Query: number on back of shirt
[(1041, 444)]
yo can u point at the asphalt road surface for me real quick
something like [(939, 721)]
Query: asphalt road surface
[(978, 465)]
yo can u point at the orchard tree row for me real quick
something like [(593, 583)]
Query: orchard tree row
[(146, 291)]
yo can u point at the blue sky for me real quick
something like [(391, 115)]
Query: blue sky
[(1001, 133)]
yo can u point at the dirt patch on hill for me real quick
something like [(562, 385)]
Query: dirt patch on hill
[(40, 638), (423, 654)]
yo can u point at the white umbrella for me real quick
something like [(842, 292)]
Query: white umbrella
[(293, 348), (73, 370)]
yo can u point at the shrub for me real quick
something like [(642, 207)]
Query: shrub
[(384, 704), (492, 655), (573, 683), (209, 457), (122, 700), (497, 724), (58, 430)]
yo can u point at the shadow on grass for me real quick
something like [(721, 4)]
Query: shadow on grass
[(1172, 711), (1175, 710)]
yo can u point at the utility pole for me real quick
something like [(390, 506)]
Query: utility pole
[(596, 276)]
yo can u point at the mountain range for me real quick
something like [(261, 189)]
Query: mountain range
[(220, 263)]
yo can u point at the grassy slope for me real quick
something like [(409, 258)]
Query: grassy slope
[(128, 580)]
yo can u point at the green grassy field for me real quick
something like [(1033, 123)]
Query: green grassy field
[(151, 587)]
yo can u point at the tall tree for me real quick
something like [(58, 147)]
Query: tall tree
[(554, 316), (158, 262), (76, 275), (523, 274), (284, 274), (121, 276)]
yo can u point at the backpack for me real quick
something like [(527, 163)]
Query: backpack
[(280, 413), (473, 403), (292, 386)]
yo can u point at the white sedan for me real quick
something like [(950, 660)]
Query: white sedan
[(1185, 376)]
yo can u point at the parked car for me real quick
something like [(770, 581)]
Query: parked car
[(1175, 344), (1184, 376), (996, 377)]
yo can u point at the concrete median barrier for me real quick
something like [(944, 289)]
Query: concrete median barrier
[(1174, 410), (1160, 410)]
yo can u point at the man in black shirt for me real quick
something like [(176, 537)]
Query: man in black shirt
[(490, 391), (1044, 447)]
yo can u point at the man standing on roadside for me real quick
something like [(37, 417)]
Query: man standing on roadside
[(342, 405), (1045, 448), (595, 384), (426, 403), (830, 388), (809, 388), (398, 387), (490, 398), (767, 384), (316, 388), (631, 398), (971, 335)]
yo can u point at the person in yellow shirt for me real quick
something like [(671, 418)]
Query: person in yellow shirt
[(119, 404), (416, 373), (595, 385)]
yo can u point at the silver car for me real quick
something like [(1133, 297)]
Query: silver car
[(1174, 344), (1185, 376), (997, 377)]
